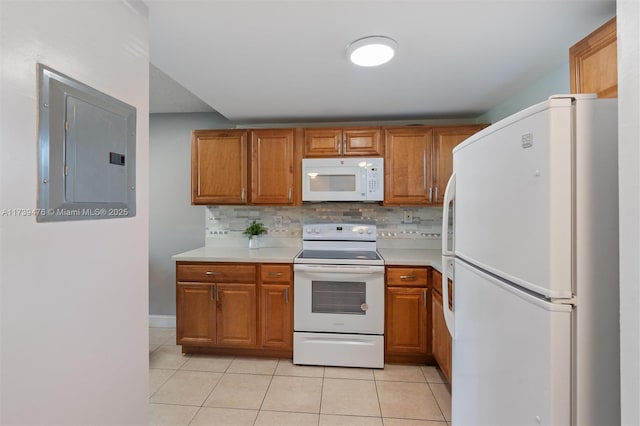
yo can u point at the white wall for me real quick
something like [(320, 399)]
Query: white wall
[(175, 225), (74, 301), (556, 82), (628, 12)]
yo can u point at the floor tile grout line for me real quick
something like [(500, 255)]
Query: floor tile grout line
[(266, 392), (437, 403), (163, 383), (321, 396), (375, 384)]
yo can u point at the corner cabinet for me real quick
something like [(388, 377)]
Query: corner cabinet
[(441, 339), (234, 308), (219, 167), (593, 62), (334, 142), (272, 167), (444, 140), (419, 162), (407, 309)]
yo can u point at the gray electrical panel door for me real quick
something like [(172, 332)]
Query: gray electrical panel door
[(87, 145)]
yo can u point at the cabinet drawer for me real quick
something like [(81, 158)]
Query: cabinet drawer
[(216, 272), (275, 273), (411, 277)]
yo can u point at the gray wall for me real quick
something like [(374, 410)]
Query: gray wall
[(174, 224)]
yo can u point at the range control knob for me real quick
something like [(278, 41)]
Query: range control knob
[(361, 231), (316, 230), (369, 231), (309, 230)]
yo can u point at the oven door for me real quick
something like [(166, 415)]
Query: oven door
[(339, 298)]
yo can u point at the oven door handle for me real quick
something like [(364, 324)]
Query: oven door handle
[(341, 269)]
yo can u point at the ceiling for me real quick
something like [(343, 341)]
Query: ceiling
[(262, 61)]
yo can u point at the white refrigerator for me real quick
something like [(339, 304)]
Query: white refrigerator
[(534, 262)]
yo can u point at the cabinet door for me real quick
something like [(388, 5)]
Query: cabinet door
[(276, 315), (272, 167), (322, 142), (237, 313), (407, 169), (362, 142), (441, 343), (218, 167), (406, 320), (593, 62), (444, 140), (195, 314)]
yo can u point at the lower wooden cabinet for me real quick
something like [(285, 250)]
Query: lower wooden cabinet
[(276, 306), (407, 309), (236, 315), (195, 314), (232, 308), (276, 328), (441, 339)]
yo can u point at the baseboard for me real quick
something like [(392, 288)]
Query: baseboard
[(164, 321)]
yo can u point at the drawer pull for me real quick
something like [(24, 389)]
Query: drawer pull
[(275, 274), (408, 277), (213, 273)]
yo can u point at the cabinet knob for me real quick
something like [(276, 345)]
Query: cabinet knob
[(408, 277)]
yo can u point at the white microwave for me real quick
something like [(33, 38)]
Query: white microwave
[(342, 179)]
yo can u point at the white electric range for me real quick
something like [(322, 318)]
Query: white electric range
[(339, 297)]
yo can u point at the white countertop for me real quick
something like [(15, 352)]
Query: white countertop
[(391, 256), (239, 254), (412, 257)]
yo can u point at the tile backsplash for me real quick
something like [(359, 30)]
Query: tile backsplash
[(224, 224)]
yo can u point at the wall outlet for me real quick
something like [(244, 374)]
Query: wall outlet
[(277, 221), (407, 217)]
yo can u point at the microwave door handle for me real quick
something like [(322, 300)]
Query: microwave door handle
[(363, 182)]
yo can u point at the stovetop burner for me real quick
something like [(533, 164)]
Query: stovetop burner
[(339, 244), (335, 254)]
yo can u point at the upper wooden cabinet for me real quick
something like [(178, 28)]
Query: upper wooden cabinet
[(593, 62), (219, 167), (419, 162), (444, 140), (222, 172), (407, 168), (321, 142), (272, 166)]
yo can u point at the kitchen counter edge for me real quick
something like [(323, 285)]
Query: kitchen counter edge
[(391, 256), (238, 255)]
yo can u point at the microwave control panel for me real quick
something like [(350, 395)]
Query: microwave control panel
[(375, 185)]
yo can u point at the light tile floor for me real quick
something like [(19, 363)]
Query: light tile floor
[(211, 390)]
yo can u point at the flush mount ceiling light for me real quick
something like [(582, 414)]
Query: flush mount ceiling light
[(372, 51)]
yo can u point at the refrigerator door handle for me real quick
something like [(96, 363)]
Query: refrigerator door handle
[(447, 253), (449, 317), (449, 196)]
